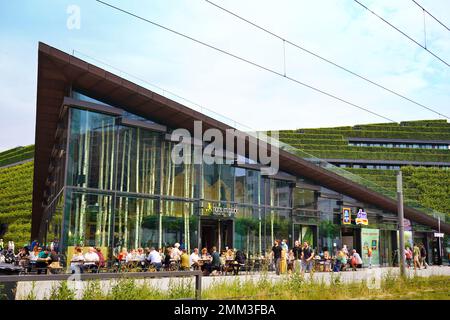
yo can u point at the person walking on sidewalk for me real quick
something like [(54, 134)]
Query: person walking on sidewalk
[(423, 256), (276, 253), (416, 254)]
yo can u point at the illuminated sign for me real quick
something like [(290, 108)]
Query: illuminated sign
[(346, 216), (361, 217), (220, 211)]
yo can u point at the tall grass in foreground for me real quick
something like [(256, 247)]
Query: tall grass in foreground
[(291, 287)]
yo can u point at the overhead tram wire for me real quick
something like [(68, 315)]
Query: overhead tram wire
[(247, 61), (325, 59), (403, 33), (428, 12)]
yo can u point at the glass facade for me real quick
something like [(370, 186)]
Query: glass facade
[(121, 189)]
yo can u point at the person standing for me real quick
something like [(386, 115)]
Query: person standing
[(423, 256), (215, 263), (369, 256), (297, 250), (2, 245), (416, 252), (276, 254), (307, 256)]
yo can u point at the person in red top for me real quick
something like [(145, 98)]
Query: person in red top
[(101, 258)]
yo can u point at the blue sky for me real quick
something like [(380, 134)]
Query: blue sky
[(339, 30)]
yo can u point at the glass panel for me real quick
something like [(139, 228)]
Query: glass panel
[(91, 156), (88, 219), (178, 224), (280, 193), (247, 230), (304, 198), (54, 225), (277, 226), (135, 223), (177, 179), (239, 187), (138, 160)]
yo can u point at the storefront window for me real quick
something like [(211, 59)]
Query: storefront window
[(134, 225), (304, 199), (218, 182), (88, 219), (178, 224), (91, 156), (138, 160), (279, 193)]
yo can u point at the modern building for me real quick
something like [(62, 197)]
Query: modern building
[(104, 176)]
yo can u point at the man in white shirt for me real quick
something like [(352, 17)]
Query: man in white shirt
[(193, 259), (356, 260), (155, 258), (91, 259), (176, 252)]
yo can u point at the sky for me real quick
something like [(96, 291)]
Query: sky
[(223, 87)]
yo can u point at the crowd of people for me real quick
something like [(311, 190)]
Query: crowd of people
[(302, 258), (417, 256), (176, 258), (281, 259)]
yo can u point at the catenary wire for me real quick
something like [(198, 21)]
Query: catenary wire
[(403, 33), (428, 12), (326, 60), (246, 61)]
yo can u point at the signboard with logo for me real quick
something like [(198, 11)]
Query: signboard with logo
[(361, 217), (214, 210), (346, 215), (370, 239)]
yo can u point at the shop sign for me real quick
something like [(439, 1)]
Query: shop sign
[(361, 217), (220, 211), (346, 216)]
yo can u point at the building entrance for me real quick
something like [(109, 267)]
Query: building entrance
[(216, 232), (351, 237)]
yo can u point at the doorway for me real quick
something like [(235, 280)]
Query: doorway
[(351, 237), (216, 232)]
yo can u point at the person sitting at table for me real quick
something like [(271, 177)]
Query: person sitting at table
[(206, 261), (167, 257), (122, 255), (240, 259), (327, 261), (140, 254), (184, 258), (76, 263), (193, 259), (154, 258), (356, 261), (101, 258), (42, 260), (176, 252), (24, 257), (229, 255), (91, 260), (215, 263), (131, 256)]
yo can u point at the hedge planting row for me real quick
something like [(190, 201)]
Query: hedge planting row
[(17, 150), (315, 146), (378, 156), (382, 134)]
